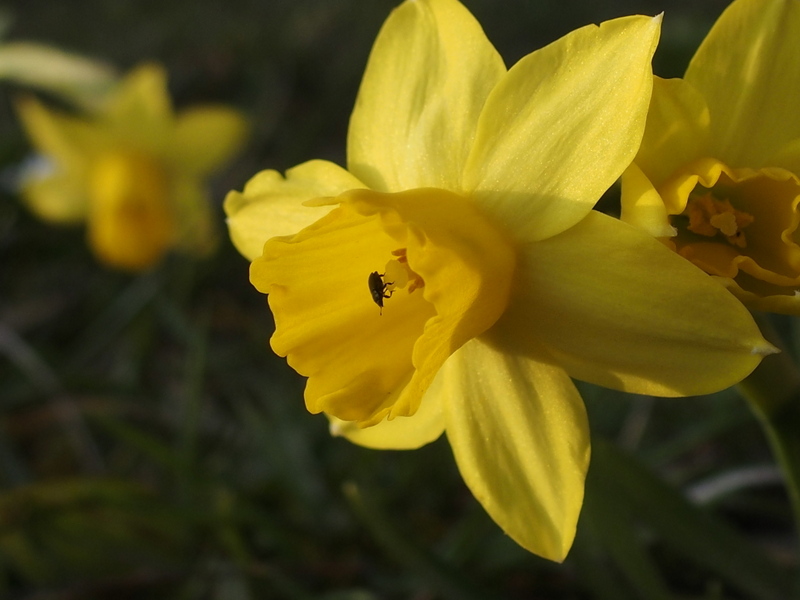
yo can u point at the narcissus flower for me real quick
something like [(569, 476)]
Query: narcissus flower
[(133, 170), (717, 173), (466, 210)]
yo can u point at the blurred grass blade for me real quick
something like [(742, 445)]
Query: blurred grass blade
[(154, 449), (77, 79), (697, 431), (440, 576), (591, 559), (689, 529), (609, 515), (196, 359), (44, 378), (773, 393), (47, 528), (103, 330)]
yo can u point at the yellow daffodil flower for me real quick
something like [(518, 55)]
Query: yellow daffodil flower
[(717, 173), (133, 170), (466, 212)]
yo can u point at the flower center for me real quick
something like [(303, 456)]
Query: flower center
[(131, 224), (737, 223), (448, 280), (709, 216)]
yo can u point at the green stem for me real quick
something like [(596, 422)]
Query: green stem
[(773, 393)]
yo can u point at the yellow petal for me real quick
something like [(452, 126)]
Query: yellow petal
[(67, 140), (195, 225), (207, 137), (746, 68), (768, 251), (520, 436), (364, 364), (70, 76), (401, 433), (326, 323), (767, 298), (55, 196), (271, 206), (562, 126), (131, 225), (140, 110), (428, 75), (642, 205), (617, 308), (677, 129), (787, 156)]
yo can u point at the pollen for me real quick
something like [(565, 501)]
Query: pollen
[(710, 216)]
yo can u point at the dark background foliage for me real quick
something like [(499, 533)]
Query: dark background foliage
[(152, 446)]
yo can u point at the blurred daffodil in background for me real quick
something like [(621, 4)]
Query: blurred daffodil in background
[(132, 169), (466, 214), (717, 173)]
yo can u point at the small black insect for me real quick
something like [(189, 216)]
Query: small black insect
[(377, 287)]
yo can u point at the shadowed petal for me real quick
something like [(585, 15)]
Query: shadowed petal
[(677, 130), (617, 308), (401, 433), (746, 68)]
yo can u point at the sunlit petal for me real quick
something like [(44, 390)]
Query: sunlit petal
[(562, 126), (271, 206), (428, 75), (642, 205), (520, 436)]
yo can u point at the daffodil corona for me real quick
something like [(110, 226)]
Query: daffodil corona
[(132, 170), (717, 173), (466, 209)]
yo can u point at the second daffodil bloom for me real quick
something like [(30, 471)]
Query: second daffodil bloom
[(466, 211), (132, 169), (717, 173)]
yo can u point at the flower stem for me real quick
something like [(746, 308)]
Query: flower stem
[(773, 393)]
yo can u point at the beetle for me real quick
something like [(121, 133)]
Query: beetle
[(377, 287)]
